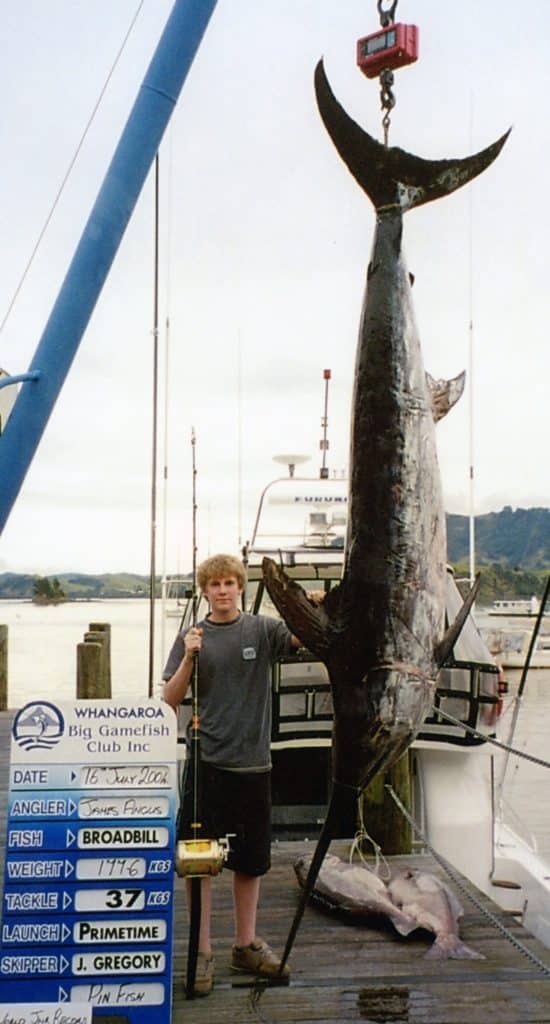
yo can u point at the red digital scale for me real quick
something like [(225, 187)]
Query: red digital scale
[(391, 47)]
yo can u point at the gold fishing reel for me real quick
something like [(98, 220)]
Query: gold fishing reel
[(196, 858)]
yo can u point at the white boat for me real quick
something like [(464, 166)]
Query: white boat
[(457, 800), (457, 796), (516, 606), (175, 594)]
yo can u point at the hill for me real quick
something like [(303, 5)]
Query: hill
[(512, 552), (16, 586), (513, 538)]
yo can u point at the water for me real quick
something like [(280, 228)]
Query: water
[(42, 664), (42, 642)]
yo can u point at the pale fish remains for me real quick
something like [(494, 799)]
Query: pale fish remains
[(413, 899)]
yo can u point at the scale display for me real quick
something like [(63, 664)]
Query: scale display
[(87, 904), (391, 48)]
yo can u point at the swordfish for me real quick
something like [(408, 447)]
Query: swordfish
[(381, 631)]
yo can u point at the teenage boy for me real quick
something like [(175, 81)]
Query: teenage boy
[(235, 652)]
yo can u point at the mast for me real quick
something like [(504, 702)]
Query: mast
[(154, 441), (472, 521)]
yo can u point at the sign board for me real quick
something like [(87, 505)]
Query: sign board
[(46, 1013), (88, 883)]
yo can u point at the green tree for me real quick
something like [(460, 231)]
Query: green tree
[(46, 591)]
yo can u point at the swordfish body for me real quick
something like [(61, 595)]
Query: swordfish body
[(381, 632)]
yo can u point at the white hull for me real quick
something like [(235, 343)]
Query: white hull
[(466, 832)]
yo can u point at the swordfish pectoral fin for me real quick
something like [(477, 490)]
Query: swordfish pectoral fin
[(445, 394), (389, 175), (307, 621), (444, 648)]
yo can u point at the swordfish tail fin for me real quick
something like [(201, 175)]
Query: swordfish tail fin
[(390, 176)]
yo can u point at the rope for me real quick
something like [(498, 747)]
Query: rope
[(466, 891), (362, 836), (69, 170), (490, 739)]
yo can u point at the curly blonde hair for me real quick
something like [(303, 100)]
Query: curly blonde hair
[(221, 565)]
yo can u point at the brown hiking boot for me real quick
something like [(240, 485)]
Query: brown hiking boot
[(204, 976), (257, 958)]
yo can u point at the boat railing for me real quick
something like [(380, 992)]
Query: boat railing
[(301, 702), (468, 691)]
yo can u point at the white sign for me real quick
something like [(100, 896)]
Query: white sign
[(46, 1013), (93, 794)]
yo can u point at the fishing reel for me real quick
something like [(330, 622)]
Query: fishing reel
[(197, 858)]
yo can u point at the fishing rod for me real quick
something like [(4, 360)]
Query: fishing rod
[(196, 858)]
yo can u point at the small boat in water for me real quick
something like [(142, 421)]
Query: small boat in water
[(516, 606), (510, 647)]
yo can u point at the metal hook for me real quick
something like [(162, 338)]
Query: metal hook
[(387, 17)]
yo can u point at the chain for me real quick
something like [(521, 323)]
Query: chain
[(386, 17), (466, 889), (387, 98)]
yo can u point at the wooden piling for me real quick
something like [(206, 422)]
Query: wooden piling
[(89, 671), (105, 629), (3, 668), (383, 819), (93, 672)]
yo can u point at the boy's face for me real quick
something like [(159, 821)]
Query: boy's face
[(223, 593)]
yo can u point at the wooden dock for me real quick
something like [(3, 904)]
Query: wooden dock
[(342, 973)]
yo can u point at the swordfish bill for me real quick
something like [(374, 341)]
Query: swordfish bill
[(381, 631)]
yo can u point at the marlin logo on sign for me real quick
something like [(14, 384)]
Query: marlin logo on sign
[(38, 726)]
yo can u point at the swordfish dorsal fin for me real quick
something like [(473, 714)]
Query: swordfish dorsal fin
[(445, 394), (307, 621), (391, 176), (444, 648)]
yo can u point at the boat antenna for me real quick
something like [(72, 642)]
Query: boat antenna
[(152, 579), (323, 472)]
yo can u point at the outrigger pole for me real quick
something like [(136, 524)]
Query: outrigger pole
[(99, 243)]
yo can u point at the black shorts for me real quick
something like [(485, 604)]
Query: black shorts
[(237, 804)]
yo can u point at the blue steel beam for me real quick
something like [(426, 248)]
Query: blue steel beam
[(99, 243)]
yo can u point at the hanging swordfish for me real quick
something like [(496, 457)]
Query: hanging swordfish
[(381, 631)]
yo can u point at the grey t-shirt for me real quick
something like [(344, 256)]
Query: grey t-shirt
[(235, 688)]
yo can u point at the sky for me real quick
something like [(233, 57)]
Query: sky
[(264, 242)]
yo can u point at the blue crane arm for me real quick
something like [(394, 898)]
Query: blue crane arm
[(99, 243)]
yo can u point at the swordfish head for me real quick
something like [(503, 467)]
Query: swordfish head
[(381, 632)]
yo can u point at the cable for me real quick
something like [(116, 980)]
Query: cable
[(490, 739)]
